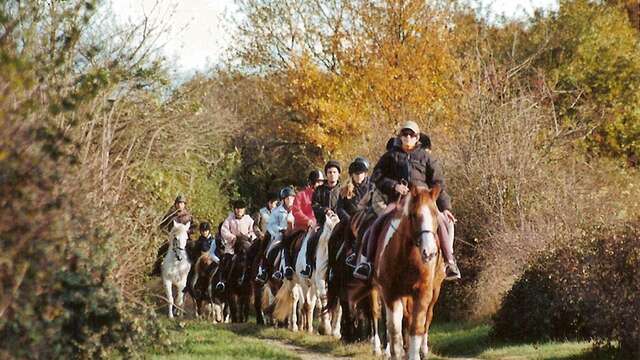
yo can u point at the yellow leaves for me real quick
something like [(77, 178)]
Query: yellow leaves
[(355, 62)]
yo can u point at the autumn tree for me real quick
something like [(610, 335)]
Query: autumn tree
[(345, 68)]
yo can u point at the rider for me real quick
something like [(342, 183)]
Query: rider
[(203, 245), (352, 193), (179, 213), (409, 162), (280, 221), (324, 202), (302, 210), (238, 224), (261, 217)]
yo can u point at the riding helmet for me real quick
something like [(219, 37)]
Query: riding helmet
[(359, 165), (205, 226), (287, 191), (315, 176), (180, 198), (332, 163)]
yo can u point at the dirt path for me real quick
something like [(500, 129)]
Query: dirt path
[(303, 353), (306, 354)]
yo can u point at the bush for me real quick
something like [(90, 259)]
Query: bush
[(587, 291)]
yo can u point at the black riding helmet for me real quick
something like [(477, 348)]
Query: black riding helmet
[(205, 226), (359, 165), (287, 191), (315, 176)]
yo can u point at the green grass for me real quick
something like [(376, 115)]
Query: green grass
[(199, 339), (202, 340), (468, 340)]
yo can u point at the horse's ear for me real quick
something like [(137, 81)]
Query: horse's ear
[(435, 191), (174, 223), (188, 224)]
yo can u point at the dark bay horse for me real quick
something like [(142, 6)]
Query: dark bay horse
[(231, 284), (359, 301)]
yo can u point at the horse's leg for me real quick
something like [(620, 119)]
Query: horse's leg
[(198, 307), (346, 321), (418, 323), (294, 309), (257, 303), (169, 293), (180, 295), (394, 328), (312, 299), (424, 349), (336, 320), (373, 322)]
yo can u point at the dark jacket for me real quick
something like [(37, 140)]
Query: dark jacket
[(204, 243), (347, 207), (324, 198), (418, 167)]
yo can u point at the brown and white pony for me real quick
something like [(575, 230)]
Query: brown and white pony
[(409, 270)]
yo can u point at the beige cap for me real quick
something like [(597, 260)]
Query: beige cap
[(411, 125)]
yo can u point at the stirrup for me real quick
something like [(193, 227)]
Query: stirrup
[(362, 271), (288, 272), (451, 271), (261, 277), (220, 286), (306, 272), (277, 275)]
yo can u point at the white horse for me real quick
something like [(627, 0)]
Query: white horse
[(176, 265), (329, 322), (301, 291)]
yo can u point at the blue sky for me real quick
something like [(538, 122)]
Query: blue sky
[(199, 34)]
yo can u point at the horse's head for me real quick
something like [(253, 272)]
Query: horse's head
[(422, 213), (179, 234), (242, 245)]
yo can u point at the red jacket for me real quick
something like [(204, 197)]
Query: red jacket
[(302, 210)]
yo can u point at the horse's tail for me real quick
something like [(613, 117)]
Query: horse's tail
[(284, 302)]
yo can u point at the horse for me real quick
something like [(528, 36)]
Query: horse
[(317, 286), (409, 270), (204, 269), (359, 301), (176, 264), (290, 297), (231, 283)]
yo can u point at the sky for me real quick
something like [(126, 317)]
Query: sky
[(199, 33)]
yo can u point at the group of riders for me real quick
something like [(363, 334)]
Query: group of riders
[(407, 162)]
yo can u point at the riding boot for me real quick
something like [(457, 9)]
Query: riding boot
[(446, 237), (312, 245), (288, 270), (261, 277)]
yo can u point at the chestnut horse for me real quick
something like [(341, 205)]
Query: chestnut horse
[(409, 269)]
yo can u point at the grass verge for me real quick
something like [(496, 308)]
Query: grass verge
[(199, 339)]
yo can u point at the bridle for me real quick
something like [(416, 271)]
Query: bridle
[(176, 247)]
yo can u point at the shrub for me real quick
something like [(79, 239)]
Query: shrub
[(590, 291)]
